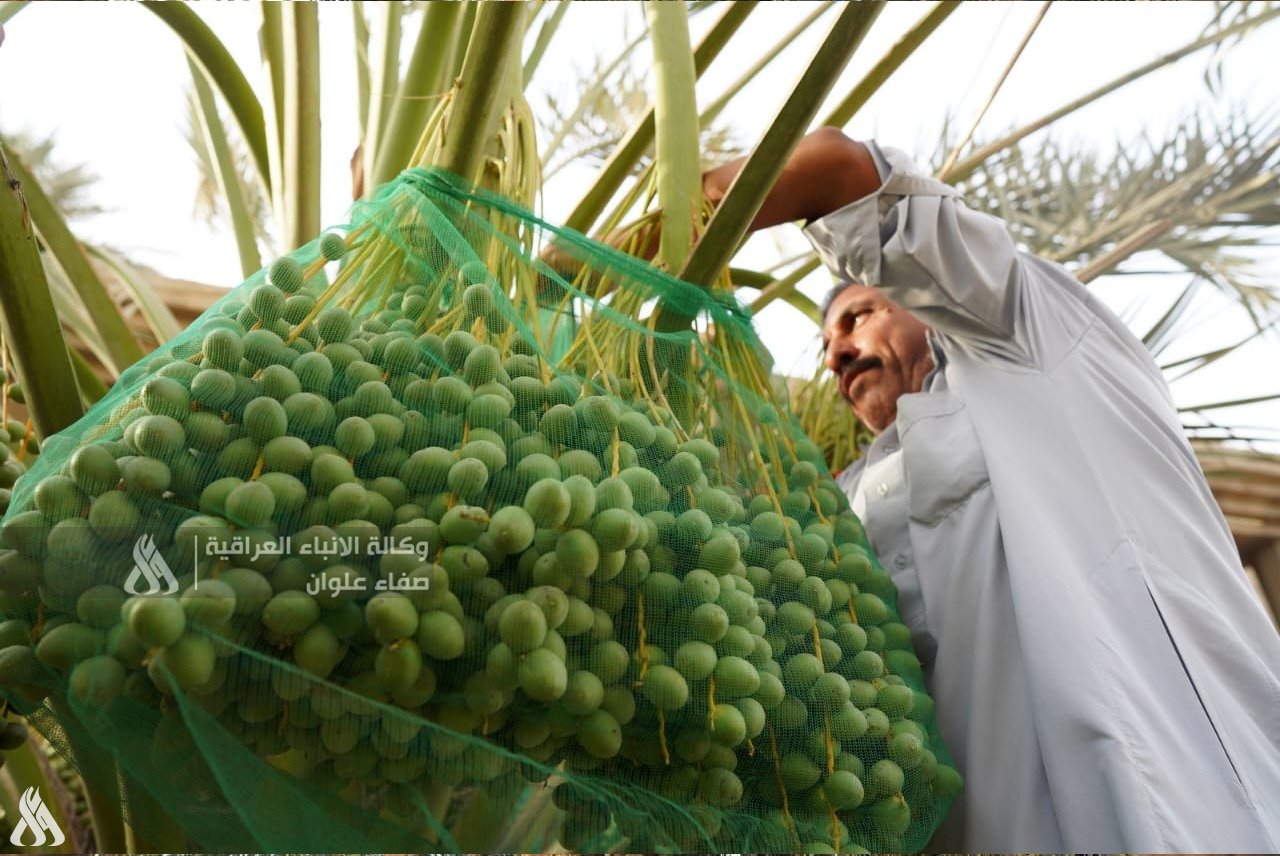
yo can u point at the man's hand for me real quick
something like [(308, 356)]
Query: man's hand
[(825, 172), (640, 240)]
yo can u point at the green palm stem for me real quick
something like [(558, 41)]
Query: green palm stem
[(465, 29), (746, 278), (494, 45), (742, 201), (771, 271), (150, 304), (227, 77), (360, 26), (805, 306), (732, 219), (1235, 402), (148, 828), (9, 8), (271, 46), (414, 101), (30, 323), (782, 288), (301, 162), (118, 341), (384, 80), (543, 40), (966, 167), (225, 173), (889, 63), (91, 386), (75, 320), (22, 766), (589, 96), (638, 140), (522, 833), (995, 90), (679, 176), (99, 780), (715, 107), (482, 822), (105, 815)]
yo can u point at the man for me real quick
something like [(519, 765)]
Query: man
[(1104, 675)]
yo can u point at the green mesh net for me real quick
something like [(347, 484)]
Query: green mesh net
[(414, 543)]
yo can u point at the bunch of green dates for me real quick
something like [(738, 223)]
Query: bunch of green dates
[(18, 451), (592, 590)]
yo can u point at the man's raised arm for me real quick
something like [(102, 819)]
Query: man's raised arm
[(874, 219), (825, 172)]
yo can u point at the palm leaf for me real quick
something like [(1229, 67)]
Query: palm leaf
[(227, 76), (9, 8), (150, 304), (1157, 338), (66, 185), (1203, 198), (546, 31), (419, 91), (300, 165), (30, 324), (122, 349), (638, 140), (221, 158), (1208, 358), (1234, 402), (208, 201), (962, 169)]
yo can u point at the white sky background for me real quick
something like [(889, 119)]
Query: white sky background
[(109, 80)]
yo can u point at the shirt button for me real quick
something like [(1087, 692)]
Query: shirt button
[(901, 561), (882, 489)]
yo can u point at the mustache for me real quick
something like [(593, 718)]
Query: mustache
[(850, 367)]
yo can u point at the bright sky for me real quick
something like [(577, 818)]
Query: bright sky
[(110, 81)]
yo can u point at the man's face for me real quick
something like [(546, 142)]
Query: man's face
[(877, 351)]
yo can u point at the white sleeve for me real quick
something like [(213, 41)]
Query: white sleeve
[(955, 269)]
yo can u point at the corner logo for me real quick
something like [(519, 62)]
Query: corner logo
[(148, 564), (37, 819)]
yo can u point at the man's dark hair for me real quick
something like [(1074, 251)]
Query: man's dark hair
[(831, 298)]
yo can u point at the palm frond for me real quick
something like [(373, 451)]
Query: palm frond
[(1201, 199), (1163, 331), (75, 318), (67, 185), (1196, 362), (608, 98), (208, 203), (1227, 13), (1234, 402)]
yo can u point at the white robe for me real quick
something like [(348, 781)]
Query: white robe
[(1105, 677)]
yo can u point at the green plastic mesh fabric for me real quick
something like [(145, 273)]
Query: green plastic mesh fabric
[(413, 543)]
